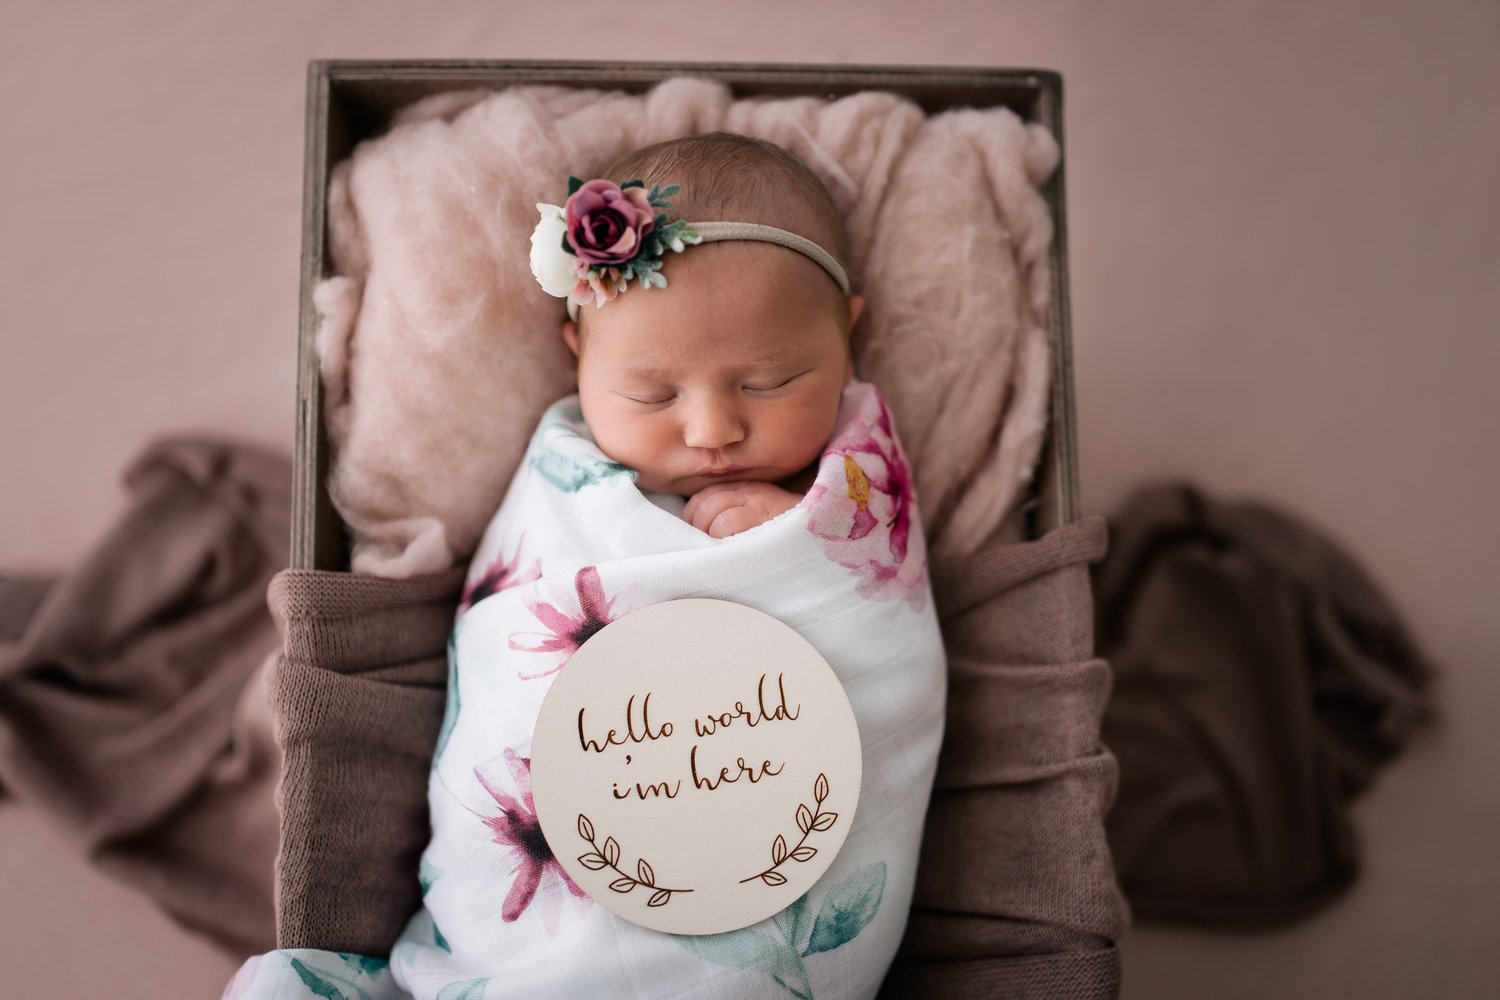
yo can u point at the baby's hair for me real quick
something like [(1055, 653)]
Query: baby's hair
[(725, 175), (728, 176)]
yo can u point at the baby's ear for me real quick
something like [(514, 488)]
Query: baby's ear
[(856, 306), (570, 336)]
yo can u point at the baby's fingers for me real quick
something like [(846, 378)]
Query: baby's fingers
[(690, 509), (733, 521), (704, 507)]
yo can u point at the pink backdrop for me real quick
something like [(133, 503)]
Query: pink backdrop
[(1285, 256)]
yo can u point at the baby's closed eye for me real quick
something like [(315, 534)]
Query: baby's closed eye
[(648, 398), (773, 384)]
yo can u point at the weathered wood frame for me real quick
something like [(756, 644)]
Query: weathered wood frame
[(351, 100)]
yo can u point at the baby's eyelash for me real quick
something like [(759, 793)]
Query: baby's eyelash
[(778, 385)]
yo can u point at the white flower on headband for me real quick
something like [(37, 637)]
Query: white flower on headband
[(606, 234), (550, 263)]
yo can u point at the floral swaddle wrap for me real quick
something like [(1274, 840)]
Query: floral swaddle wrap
[(574, 546)]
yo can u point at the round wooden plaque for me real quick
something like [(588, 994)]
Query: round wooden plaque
[(696, 766)]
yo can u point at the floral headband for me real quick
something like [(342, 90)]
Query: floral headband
[(605, 234)]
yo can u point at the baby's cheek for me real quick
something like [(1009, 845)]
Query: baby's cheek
[(808, 432), (619, 435), (639, 443)]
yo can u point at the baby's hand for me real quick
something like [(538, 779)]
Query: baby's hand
[(724, 509)]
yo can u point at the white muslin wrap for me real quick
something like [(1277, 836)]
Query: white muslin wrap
[(574, 546)]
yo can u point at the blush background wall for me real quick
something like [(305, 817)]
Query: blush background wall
[(1284, 226)]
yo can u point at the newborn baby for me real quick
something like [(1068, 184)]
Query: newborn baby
[(718, 447), (724, 389)]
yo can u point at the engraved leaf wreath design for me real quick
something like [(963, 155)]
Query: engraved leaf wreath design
[(608, 856), (808, 821)]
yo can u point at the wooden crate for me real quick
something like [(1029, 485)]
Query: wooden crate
[(352, 100)]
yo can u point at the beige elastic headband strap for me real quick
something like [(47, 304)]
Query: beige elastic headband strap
[(714, 232)]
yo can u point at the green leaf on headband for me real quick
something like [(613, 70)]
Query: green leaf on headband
[(644, 269), (573, 185), (635, 183), (676, 236), (659, 196)]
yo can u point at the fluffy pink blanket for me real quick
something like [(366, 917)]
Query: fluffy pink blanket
[(439, 351)]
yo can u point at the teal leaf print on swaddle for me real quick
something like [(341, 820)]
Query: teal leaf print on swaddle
[(428, 874), (321, 982), (363, 963), (329, 975), (572, 473), (846, 910), (472, 989), (564, 445), (748, 948), (319, 986), (795, 918)]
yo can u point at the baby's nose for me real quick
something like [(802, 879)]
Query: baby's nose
[(713, 427)]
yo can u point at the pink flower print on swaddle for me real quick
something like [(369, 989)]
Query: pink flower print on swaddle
[(863, 506), (566, 632), (502, 574), (517, 827)]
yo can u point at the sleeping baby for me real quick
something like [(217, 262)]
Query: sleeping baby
[(724, 390), (718, 446)]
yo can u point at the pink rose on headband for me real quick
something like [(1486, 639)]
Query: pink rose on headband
[(607, 224)]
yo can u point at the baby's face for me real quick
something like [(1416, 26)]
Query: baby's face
[(732, 372)]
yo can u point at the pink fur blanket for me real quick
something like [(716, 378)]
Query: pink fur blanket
[(439, 351)]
